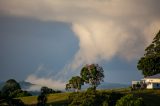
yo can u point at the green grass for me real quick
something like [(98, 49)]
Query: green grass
[(151, 97), (55, 99)]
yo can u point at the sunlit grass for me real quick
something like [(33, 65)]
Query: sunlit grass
[(151, 97), (51, 98)]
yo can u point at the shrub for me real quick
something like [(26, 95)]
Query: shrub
[(1, 95), (82, 99), (130, 100), (42, 100), (94, 98)]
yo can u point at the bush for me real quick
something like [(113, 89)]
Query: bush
[(1, 95), (42, 100), (91, 89), (130, 100), (105, 103), (19, 93), (82, 99), (94, 98)]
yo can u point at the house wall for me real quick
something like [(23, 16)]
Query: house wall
[(150, 86), (153, 86), (152, 80), (156, 85), (136, 82)]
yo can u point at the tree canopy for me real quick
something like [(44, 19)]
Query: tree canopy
[(149, 64), (130, 100), (92, 74), (12, 89), (10, 86), (75, 83)]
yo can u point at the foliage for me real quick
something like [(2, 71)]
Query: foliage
[(91, 89), (46, 90), (130, 100), (92, 74), (42, 99), (154, 47), (82, 99), (15, 102), (19, 93), (150, 62), (9, 87), (1, 95), (150, 97), (93, 98), (12, 89), (75, 83), (150, 65)]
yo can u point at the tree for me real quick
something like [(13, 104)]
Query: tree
[(68, 86), (42, 98), (12, 89), (150, 62), (92, 74), (46, 90), (10, 86), (75, 83)]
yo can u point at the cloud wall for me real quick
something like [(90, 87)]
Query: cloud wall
[(105, 28)]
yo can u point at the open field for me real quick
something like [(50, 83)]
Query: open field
[(55, 99)]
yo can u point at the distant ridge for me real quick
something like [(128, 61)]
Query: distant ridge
[(109, 85), (34, 87)]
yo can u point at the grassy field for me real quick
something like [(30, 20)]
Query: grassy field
[(151, 97), (59, 99)]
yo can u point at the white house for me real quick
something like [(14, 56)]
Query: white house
[(153, 82), (138, 84)]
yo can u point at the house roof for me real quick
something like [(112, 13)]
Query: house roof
[(157, 76)]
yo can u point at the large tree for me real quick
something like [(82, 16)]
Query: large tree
[(149, 64), (92, 74), (12, 89), (75, 83), (10, 86)]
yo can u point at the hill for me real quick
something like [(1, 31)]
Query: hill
[(151, 97), (59, 99), (35, 88), (109, 85)]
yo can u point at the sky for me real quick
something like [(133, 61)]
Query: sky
[(46, 42)]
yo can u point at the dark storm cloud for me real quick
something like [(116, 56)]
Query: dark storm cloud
[(105, 28)]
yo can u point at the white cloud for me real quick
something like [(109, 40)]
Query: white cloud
[(49, 82), (105, 28), (34, 88)]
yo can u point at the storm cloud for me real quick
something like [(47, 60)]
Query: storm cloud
[(105, 28)]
